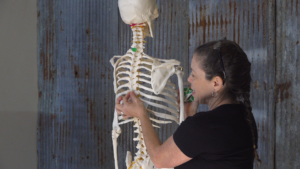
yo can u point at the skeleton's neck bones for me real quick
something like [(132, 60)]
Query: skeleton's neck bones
[(138, 41)]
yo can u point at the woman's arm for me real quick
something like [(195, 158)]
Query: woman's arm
[(166, 155), (190, 108)]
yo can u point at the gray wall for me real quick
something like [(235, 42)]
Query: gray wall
[(18, 85)]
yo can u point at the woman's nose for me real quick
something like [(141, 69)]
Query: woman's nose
[(189, 79)]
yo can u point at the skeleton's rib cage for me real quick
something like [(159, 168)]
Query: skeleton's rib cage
[(149, 78)]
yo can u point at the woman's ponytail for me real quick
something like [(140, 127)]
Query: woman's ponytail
[(252, 124)]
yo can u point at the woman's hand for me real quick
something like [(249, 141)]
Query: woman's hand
[(132, 106), (190, 108)]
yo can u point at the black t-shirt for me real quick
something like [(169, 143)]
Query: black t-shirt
[(216, 139)]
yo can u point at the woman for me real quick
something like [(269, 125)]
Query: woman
[(223, 137)]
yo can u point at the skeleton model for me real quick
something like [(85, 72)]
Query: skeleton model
[(148, 77)]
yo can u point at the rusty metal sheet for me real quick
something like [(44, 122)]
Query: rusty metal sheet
[(170, 42), (76, 39), (287, 93), (252, 25)]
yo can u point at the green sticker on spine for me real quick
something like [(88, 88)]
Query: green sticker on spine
[(134, 49)]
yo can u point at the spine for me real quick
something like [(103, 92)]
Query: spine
[(141, 159), (138, 42)]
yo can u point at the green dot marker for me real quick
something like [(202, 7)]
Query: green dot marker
[(134, 49)]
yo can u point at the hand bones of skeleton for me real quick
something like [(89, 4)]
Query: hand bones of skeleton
[(148, 77)]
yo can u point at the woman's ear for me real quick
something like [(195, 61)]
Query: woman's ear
[(217, 83)]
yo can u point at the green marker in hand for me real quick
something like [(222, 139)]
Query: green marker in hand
[(188, 97)]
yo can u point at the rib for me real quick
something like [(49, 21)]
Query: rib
[(163, 93), (125, 61), (161, 106), (147, 56), (123, 72), (160, 121), (124, 66), (143, 74), (163, 115), (121, 93), (126, 121), (171, 84), (144, 67), (171, 90), (159, 99), (124, 85)]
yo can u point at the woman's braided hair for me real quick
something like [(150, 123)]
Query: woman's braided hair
[(237, 76)]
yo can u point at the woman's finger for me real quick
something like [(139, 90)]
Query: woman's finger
[(125, 99), (119, 111), (119, 99), (119, 106), (133, 96)]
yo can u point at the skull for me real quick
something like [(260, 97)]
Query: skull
[(139, 11)]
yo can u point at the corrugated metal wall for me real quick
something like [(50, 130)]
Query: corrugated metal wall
[(287, 93), (77, 38)]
